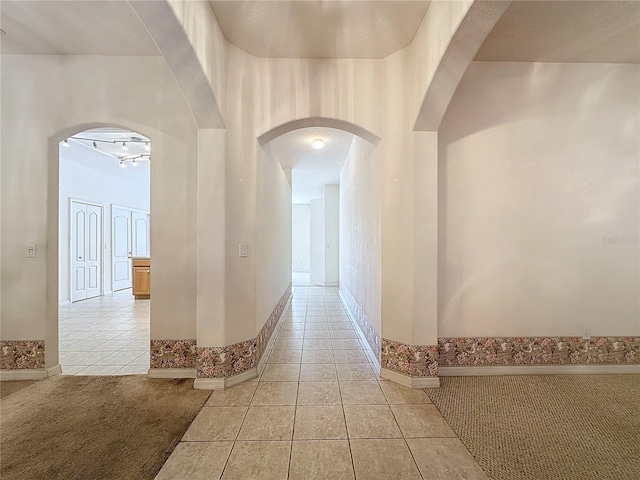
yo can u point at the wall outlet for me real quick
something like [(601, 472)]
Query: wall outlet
[(243, 250)]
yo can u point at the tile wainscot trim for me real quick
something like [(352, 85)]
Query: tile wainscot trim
[(179, 354), (231, 360), (410, 360), (366, 327), (22, 354), (538, 351)]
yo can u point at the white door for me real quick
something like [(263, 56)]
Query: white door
[(121, 248), (140, 234), (131, 235), (86, 249)]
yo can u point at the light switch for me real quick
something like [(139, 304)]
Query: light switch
[(243, 250), (31, 250)]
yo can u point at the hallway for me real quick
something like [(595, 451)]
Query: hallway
[(319, 411)]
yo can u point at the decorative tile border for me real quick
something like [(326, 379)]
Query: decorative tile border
[(410, 360), (366, 327), (21, 354), (173, 353), (513, 351), (230, 360)]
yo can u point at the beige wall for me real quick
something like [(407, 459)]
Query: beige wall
[(539, 167), (360, 247), (45, 99)]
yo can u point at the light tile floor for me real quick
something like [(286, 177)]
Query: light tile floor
[(319, 411), (106, 335)]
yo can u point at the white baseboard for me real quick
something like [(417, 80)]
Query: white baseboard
[(411, 382), (23, 374), (537, 370), (171, 373), (30, 373), (224, 383)]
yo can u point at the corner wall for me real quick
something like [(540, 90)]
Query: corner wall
[(45, 99)]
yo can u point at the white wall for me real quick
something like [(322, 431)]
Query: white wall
[(360, 248), (86, 174), (331, 198), (317, 241), (539, 171), (44, 100), (301, 238)]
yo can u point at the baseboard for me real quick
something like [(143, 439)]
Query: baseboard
[(411, 382), (30, 373), (367, 348), (537, 370), (171, 373), (224, 383), (23, 374)]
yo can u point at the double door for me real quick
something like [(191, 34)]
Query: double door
[(131, 234), (86, 250)]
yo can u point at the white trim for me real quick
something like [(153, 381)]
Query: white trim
[(224, 383), (367, 348), (108, 292), (30, 373), (537, 370), (64, 303), (23, 374), (171, 373), (411, 382)]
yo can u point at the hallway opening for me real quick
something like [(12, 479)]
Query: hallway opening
[(103, 228)]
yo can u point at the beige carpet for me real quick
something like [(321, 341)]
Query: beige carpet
[(94, 427), (549, 427)]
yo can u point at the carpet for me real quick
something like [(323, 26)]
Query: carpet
[(546, 427), (69, 427)]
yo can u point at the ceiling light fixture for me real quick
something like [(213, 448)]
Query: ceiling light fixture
[(134, 162), (147, 147), (65, 142), (122, 165), (317, 143), (124, 146), (95, 145)]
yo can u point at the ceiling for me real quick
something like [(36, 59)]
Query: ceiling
[(73, 28), (566, 31), (319, 29), (109, 142), (311, 169)]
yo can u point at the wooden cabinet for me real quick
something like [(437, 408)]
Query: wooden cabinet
[(142, 277)]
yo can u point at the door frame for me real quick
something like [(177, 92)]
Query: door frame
[(131, 209), (69, 246)]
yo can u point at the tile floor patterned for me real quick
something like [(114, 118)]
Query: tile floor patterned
[(106, 335), (319, 411)]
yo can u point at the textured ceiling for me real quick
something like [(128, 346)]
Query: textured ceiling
[(73, 28), (566, 31), (320, 29), (311, 169)]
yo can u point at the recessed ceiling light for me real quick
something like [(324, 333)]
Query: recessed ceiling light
[(317, 143)]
